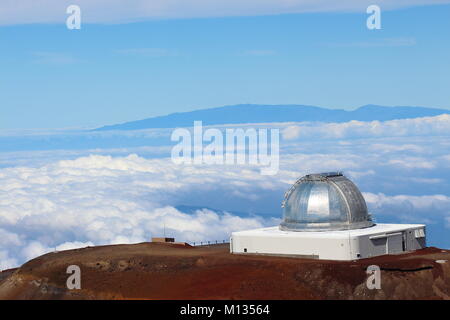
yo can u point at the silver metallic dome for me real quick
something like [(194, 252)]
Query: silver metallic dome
[(325, 201)]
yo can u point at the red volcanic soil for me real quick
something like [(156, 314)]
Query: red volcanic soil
[(169, 271)]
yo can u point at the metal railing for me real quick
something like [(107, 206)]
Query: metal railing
[(207, 243)]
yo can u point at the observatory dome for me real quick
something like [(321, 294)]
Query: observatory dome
[(322, 202)]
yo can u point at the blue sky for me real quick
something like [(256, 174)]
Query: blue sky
[(52, 77)]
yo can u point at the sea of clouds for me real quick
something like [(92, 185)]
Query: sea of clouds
[(124, 188)]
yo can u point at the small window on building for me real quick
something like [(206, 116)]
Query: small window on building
[(245, 249), (419, 233)]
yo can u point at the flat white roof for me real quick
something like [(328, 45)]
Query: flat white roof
[(375, 230)]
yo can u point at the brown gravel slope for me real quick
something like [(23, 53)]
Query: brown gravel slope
[(168, 271)]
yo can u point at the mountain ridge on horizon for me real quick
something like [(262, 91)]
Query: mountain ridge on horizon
[(261, 113)]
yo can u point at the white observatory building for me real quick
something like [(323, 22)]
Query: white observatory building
[(325, 217)]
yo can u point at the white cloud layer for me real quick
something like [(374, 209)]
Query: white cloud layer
[(53, 203), (411, 208), (116, 11), (104, 200), (427, 126)]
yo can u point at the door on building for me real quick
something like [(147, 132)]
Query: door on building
[(395, 243), (379, 246)]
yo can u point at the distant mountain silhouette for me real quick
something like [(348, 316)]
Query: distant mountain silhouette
[(251, 113)]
